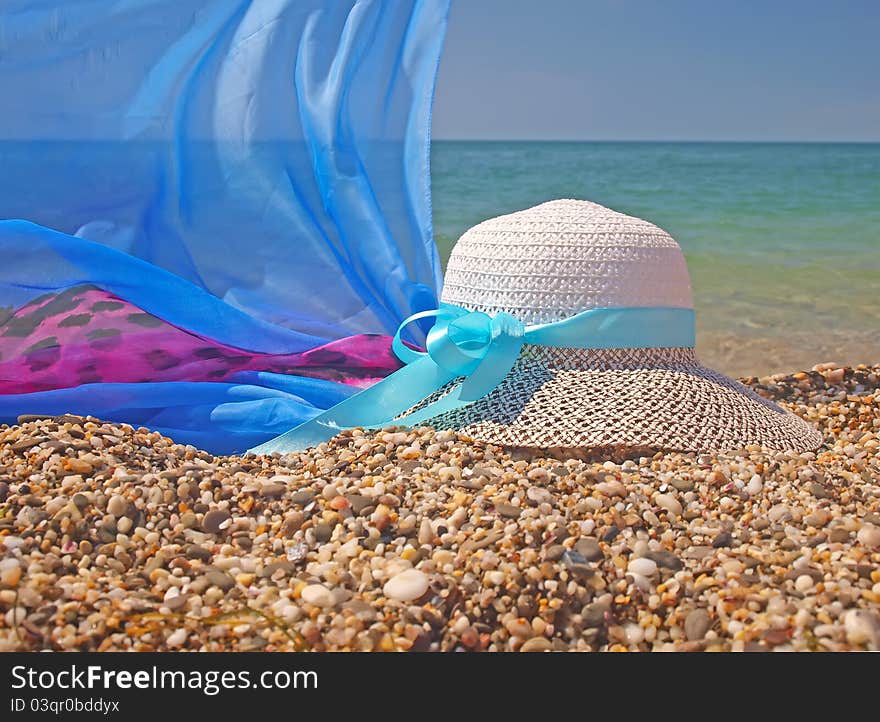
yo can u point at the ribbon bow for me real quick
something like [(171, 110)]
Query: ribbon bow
[(472, 344), (482, 349)]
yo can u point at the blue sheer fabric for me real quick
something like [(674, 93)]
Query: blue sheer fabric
[(253, 172)]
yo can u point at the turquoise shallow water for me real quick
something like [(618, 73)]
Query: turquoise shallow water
[(782, 239)]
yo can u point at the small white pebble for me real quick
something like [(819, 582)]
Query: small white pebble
[(644, 567)]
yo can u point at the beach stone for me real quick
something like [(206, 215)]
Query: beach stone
[(589, 548), (318, 595), (554, 552), (643, 566), (537, 644), (483, 472), (526, 605), (696, 624), (322, 533), (803, 583), (862, 628), (117, 505), (594, 614), (665, 559), (754, 486), (359, 503), (817, 490), (426, 532), (577, 565), (406, 586), (869, 536), (698, 552), (611, 534), (10, 572), (79, 466), (508, 511), (82, 576), (176, 603), (539, 495), (302, 498), (177, 637), (668, 502), (80, 501), (220, 579), (838, 535), (724, 539), (27, 443), (682, 485), (213, 519), (287, 567), (819, 518), (194, 551), (272, 491)]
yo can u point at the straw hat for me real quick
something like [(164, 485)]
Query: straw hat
[(561, 258), (565, 326)]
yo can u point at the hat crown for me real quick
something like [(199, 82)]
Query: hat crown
[(563, 257)]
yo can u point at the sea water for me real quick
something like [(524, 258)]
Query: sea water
[(782, 239)]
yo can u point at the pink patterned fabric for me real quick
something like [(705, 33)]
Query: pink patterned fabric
[(84, 335)]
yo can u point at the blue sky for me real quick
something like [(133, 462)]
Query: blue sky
[(661, 69)]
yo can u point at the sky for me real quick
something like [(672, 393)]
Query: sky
[(790, 70)]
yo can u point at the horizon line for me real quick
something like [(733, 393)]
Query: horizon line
[(649, 140)]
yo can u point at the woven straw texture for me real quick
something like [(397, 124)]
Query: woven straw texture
[(563, 257), (661, 399)]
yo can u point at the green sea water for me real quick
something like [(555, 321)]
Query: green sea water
[(782, 239)]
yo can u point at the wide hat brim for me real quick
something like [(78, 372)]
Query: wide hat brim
[(658, 399)]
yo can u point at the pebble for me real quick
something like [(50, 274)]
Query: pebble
[(577, 565), (537, 644), (838, 535), (539, 495), (214, 519), (508, 510), (665, 559), (862, 628), (724, 539), (819, 518), (117, 506), (272, 491), (589, 549), (359, 503), (426, 532), (817, 490), (682, 484), (803, 583), (318, 595), (591, 556), (669, 502), (554, 552), (643, 566), (302, 498), (754, 486), (323, 532), (10, 572), (869, 536), (176, 638), (697, 624), (406, 586), (220, 579)]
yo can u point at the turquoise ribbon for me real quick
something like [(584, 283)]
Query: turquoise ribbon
[(482, 349)]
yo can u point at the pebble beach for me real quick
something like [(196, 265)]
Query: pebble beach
[(114, 538)]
